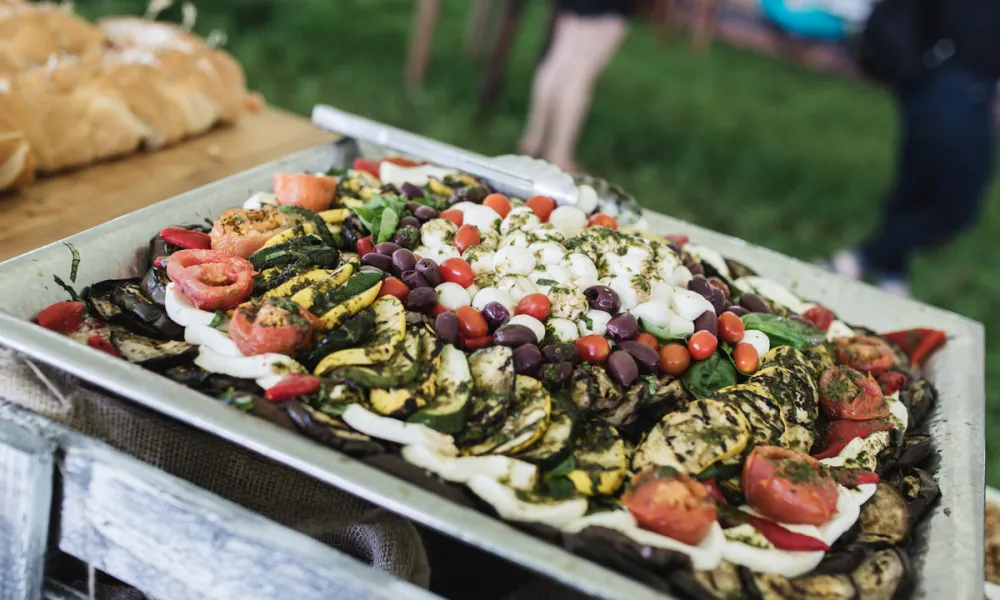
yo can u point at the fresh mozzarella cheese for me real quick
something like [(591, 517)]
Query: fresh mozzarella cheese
[(663, 292), (690, 305), (547, 232), (531, 323), (397, 175), (743, 547), (438, 233), (269, 382), (259, 199), (452, 296), (518, 286), (655, 312), (203, 335), (593, 322), (182, 311), (581, 268), (479, 258), (630, 265), (513, 260), (516, 238), (504, 500), (630, 292), (680, 277), (838, 329), (517, 474), (710, 256), (897, 412), (548, 274), (612, 519), (861, 453), (438, 255), (569, 220), (487, 295), (472, 290), (586, 199), (489, 239), (567, 302), (392, 430), (481, 217), (246, 367), (666, 265), (773, 291), (519, 219), (561, 330), (547, 253), (759, 341)]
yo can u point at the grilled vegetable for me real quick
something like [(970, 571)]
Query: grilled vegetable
[(810, 587), (447, 411), (617, 550), (885, 518), (310, 278), (301, 250), (526, 421), (154, 285), (390, 328), (919, 397), (669, 395), (767, 427), (156, 355), (347, 335), (121, 301), (212, 384), (335, 300), (557, 443), (723, 581), (885, 575), (605, 395), (601, 463), (407, 397), (911, 452), (330, 431), (691, 440), (627, 411), (493, 384), (400, 369), (919, 490), (797, 397)]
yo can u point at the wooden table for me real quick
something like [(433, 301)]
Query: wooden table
[(56, 207)]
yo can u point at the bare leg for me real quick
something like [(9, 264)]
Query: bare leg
[(543, 93)]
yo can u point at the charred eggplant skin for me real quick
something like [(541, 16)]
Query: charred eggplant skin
[(122, 302), (154, 285)]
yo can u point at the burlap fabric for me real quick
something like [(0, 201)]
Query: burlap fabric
[(385, 541)]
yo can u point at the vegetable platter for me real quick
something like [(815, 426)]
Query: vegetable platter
[(619, 395)]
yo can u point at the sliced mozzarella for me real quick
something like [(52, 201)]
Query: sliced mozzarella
[(668, 263), (741, 548), (397, 175), (519, 219), (593, 322), (772, 291), (203, 335), (567, 302), (547, 253), (182, 311), (259, 199), (504, 500), (399, 432), (479, 258), (680, 277), (848, 511), (838, 329), (513, 260), (706, 555), (487, 295), (545, 276), (690, 305), (267, 383), (561, 330), (569, 220), (518, 286), (759, 341), (629, 292), (531, 323), (438, 255), (481, 217), (633, 264), (863, 493), (517, 474), (246, 367), (437, 233), (618, 520), (654, 312), (710, 256), (586, 199), (452, 296), (897, 412), (861, 453)]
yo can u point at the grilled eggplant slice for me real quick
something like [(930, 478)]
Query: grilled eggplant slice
[(330, 431), (627, 411), (919, 397), (493, 388), (810, 587), (446, 412), (526, 422), (919, 490), (912, 452), (842, 560), (557, 443), (212, 384), (155, 355), (616, 550), (885, 518), (605, 395), (601, 462), (706, 432), (122, 302), (885, 575), (154, 285), (669, 396), (389, 331), (723, 581)]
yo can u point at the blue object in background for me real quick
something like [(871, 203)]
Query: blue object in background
[(813, 23)]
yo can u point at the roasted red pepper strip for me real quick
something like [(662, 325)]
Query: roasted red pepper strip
[(713, 490), (98, 342), (891, 382), (403, 162), (852, 478), (678, 238), (786, 539), (820, 316), (63, 317), (293, 386), (917, 343), (367, 166), (186, 238), (840, 433), (160, 262)]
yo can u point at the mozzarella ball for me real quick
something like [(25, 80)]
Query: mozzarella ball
[(838, 329), (452, 296), (632, 264), (654, 312), (667, 264), (512, 260), (547, 253), (489, 239), (631, 291), (518, 286), (437, 233), (531, 323), (472, 290), (517, 238), (486, 279), (593, 322), (568, 302), (677, 325), (581, 268), (547, 232), (487, 295), (561, 330), (662, 291), (548, 274), (690, 305), (479, 258), (519, 219), (438, 255), (481, 217), (759, 341), (569, 220), (680, 277), (586, 199)]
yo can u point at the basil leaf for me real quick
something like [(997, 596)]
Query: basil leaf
[(708, 376), (549, 282), (69, 290), (662, 335), (564, 468), (76, 261), (559, 488), (390, 219), (587, 321), (218, 319), (784, 332), (366, 216)]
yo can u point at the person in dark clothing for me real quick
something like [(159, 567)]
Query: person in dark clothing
[(946, 147)]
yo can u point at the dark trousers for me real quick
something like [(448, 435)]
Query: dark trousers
[(946, 156)]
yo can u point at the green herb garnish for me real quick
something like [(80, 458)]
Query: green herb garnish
[(564, 468), (220, 316), (239, 401), (76, 261), (72, 293), (548, 282)]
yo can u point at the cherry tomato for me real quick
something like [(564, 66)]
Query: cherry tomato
[(789, 486), (367, 166), (713, 489), (457, 271), (473, 344), (542, 205), (702, 344), (820, 316), (98, 342), (835, 435), (602, 220), (394, 287), (499, 203), (63, 317), (471, 323), (845, 393), (666, 501), (593, 348), (731, 328), (438, 309), (746, 359), (455, 216), (293, 386), (275, 325), (647, 339), (534, 305), (719, 285), (864, 353), (212, 280), (365, 245), (186, 238), (674, 359), (467, 235)]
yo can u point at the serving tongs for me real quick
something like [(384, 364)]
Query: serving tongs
[(518, 176)]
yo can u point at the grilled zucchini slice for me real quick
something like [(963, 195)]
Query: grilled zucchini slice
[(308, 279), (557, 443), (798, 399), (446, 412), (706, 432), (403, 400), (601, 461), (493, 386), (767, 425), (526, 422), (390, 329)]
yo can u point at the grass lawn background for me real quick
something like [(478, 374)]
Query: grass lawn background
[(754, 147)]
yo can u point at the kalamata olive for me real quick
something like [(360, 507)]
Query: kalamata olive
[(719, 301), (622, 368), (754, 303), (645, 357), (496, 314), (411, 191), (695, 268), (800, 319), (407, 237), (414, 280), (429, 269), (387, 248), (601, 297), (707, 321), (561, 352), (403, 260), (409, 222), (446, 326), (515, 335), (622, 327), (699, 284), (379, 261), (475, 194), (556, 376), (412, 206), (425, 213), (527, 358), (420, 299), (675, 247), (737, 310)]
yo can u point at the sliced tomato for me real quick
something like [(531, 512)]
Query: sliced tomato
[(293, 386), (836, 435), (276, 325), (891, 382), (852, 478), (98, 342), (864, 353), (713, 489), (63, 317), (367, 166), (789, 486), (476, 343), (820, 316), (243, 231), (186, 238), (845, 393), (671, 503), (211, 280), (314, 192)]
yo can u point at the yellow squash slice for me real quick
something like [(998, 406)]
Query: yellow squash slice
[(390, 329)]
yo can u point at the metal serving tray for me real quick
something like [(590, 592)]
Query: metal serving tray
[(950, 565)]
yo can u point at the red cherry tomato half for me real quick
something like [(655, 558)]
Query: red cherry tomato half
[(63, 317), (845, 393), (835, 435), (746, 359), (864, 353), (674, 359), (593, 348), (466, 236), (160, 262), (785, 539), (438, 309), (534, 305), (98, 342), (789, 486), (212, 280), (186, 239), (731, 328), (702, 344), (364, 246), (499, 203), (919, 344), (820, 316), (473, 344), (457, 271), (455, 216), (394, 287), (542, 205), (648, 339), (293, 386), (666, 501), (471, 322), (713, 489), (602, 220), (275, 325), (367, 166)]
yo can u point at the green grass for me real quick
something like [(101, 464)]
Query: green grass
[(754, 147)]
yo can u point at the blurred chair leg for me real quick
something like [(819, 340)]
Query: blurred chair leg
[(498, 57), (475, 29), (421, 40), (703, 31)]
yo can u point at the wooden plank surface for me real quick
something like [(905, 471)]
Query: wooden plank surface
[(56, 207)]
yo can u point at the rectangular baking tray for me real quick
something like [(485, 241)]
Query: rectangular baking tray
[(950, 562)]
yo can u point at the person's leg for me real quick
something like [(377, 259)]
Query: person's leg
[(545, 86), (591, 42)]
